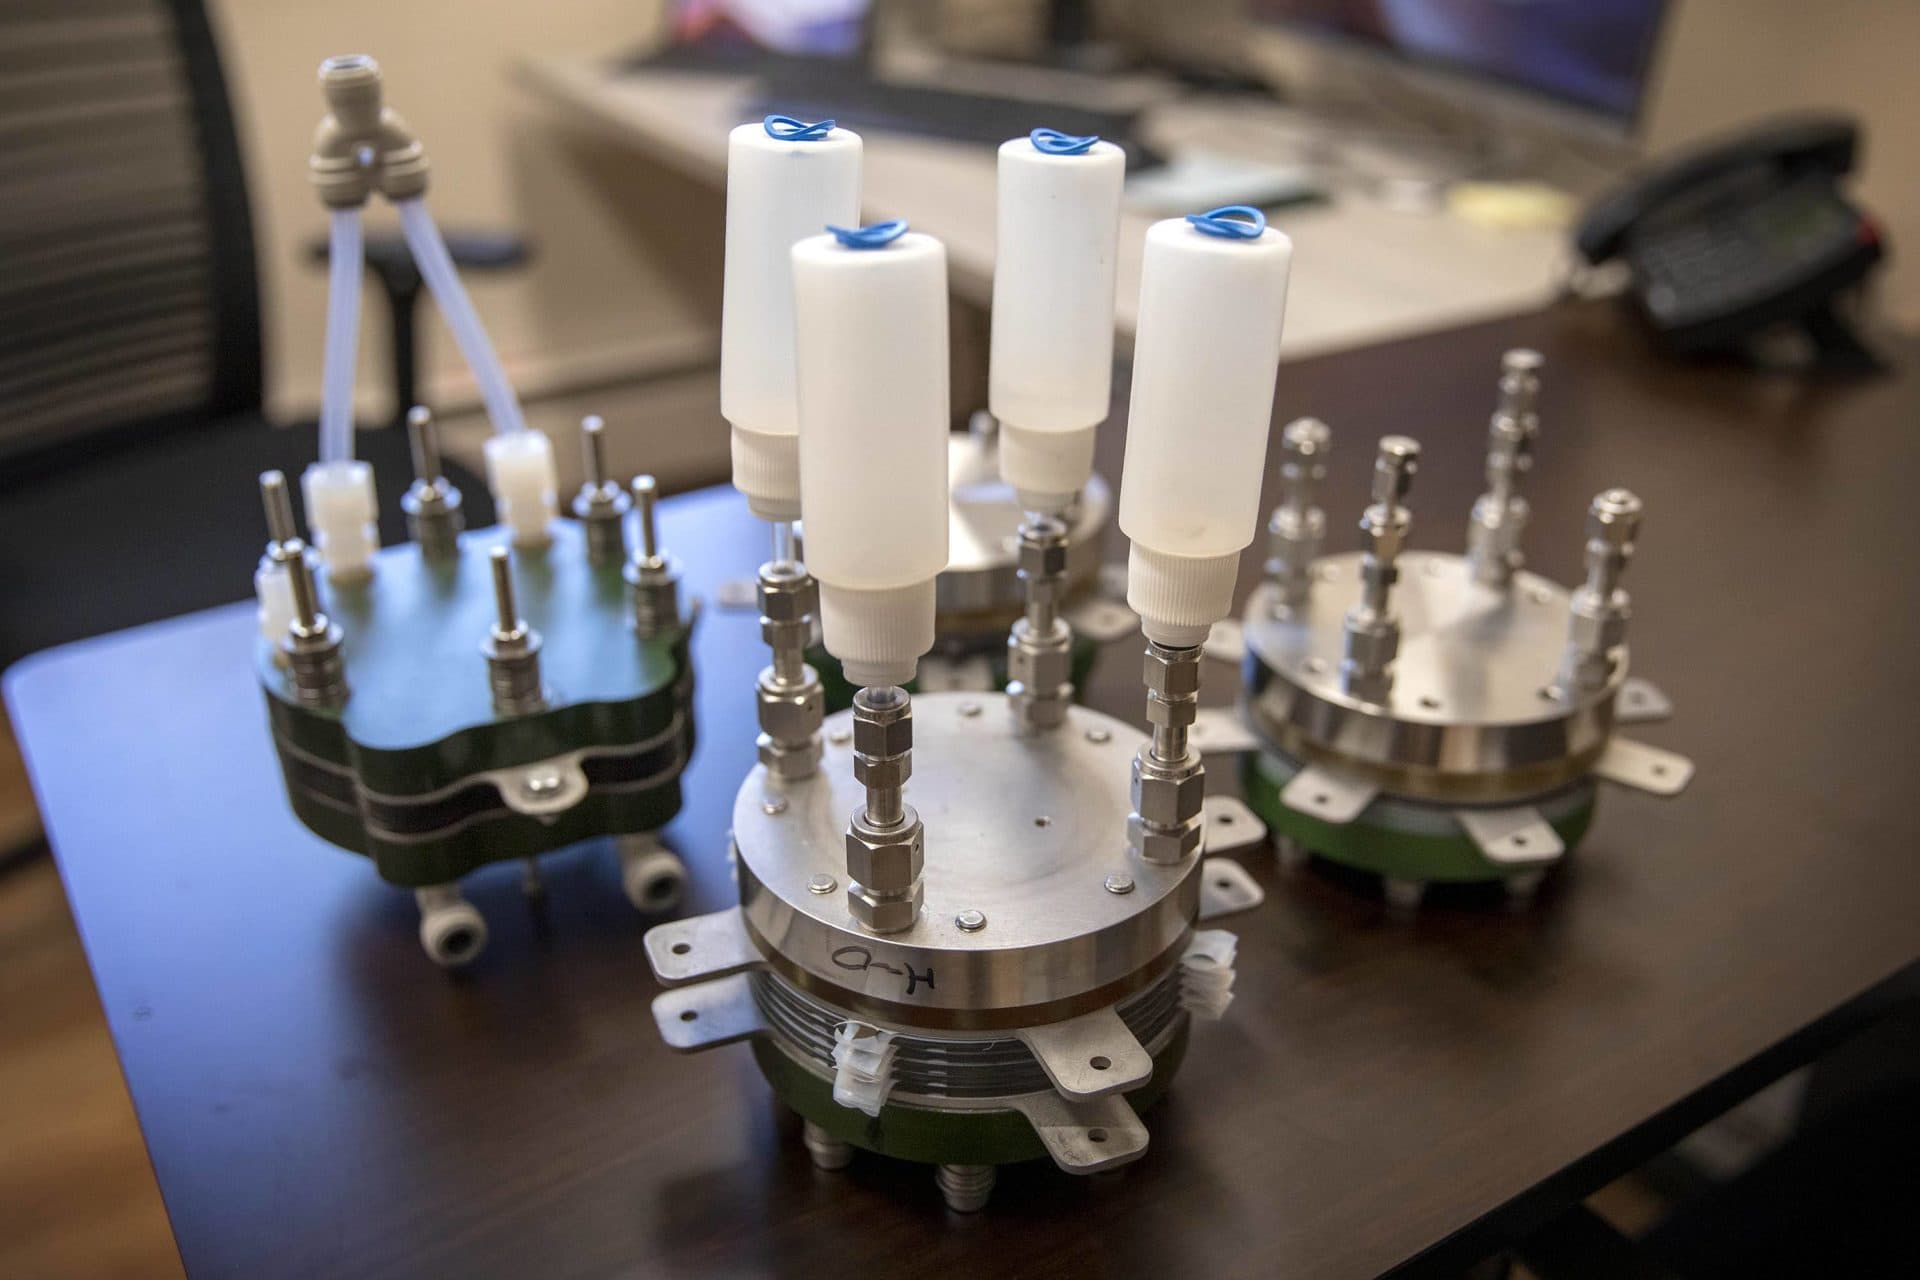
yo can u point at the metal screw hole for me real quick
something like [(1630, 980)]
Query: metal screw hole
[(688, 1015), (681, 948), (1099, 1062)]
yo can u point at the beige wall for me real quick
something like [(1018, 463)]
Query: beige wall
[(620, 284), (1730, 61)]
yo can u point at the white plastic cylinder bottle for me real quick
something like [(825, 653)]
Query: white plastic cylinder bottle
[(779, 191), (872, 364), (1204, 358), (1051, 374)]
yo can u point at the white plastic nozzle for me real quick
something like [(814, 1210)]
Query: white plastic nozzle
[(872, 364), (1051, 374), (525, 486), (779, 191), (1204, 359), (341, 515)]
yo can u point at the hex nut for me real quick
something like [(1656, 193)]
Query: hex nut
[(885, 913), (1037, 707), (1162, 844), (889, 860), (882, 772), (789, 760), (887, 731), (1042, 559), (1598, 628), (793, 713), (788, 599), (1173, 713), (1171, 679), (1043, 665), (1168, 795)]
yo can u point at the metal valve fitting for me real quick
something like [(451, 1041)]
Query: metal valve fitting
[(434, 518), (512, 648), (1040, 645), (653, 579), (791, 700), (602, 504), (1500, 514), (312, 643), (1601, 609), (1372, 633), (1298, 526), (886, 843), (1168, 780)]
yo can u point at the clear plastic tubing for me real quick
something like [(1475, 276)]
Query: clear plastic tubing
[(870, 312), (346, 265), (436, 268)]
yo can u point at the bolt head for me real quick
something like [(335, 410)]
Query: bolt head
[(886, 860), (821, 884), (971, 921), (1614, 517), (1119, 882)]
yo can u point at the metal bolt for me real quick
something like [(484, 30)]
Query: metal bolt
[(969, 709), (1099, 735), (773, 806), (822, 884), (840, 737), (1119, 882), (971, 921)]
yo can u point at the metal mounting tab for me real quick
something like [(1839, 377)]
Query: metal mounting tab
[(1640, 701), (697, 947), (1226, 887), (707, 1014), (1085, 1137), (1645, 768), (1329, 794), (1512, 837), (1090, 1056)]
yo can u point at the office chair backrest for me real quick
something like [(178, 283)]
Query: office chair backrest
[(128, 291)]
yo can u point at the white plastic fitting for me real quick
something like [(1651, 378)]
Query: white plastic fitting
[(779, 191), (452, 930), (1206, 973), (873, 399), (273, 590), (340, 516), (1204, 358), (1050, 378), (525, 486), (652, 877), (862, 1066)]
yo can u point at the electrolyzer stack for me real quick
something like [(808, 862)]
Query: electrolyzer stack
[(472, 696), (978, 968), (1438, 718)]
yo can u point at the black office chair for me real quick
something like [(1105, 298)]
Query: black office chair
[(131, 425)]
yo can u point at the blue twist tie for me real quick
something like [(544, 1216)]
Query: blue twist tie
[(877, 236), (787, 129), (1231, 222), (1055, 143)]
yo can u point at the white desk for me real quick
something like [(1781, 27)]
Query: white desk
[(1363, 273)]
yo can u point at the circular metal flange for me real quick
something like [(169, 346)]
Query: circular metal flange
[(979, 589), (1402, 838), (1024, 828), (1475, 712)]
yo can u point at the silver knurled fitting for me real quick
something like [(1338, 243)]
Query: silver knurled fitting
[(434, 517), (1500, 514), (1600, 608), (1372, 632), (312, 642), (1040, 646), (1169, 783), (602, 504), (792, 702), (653, 579), (362, 145), (512, 648), (1298, 526), (886, 846)]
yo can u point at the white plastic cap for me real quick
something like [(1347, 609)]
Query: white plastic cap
[(1204, 359), (341, 515), (779, 191), (1053, 284), (525, 486), (872, 348), (273, 589)]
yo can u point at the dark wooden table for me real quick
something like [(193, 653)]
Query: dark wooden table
[(319, 1100)]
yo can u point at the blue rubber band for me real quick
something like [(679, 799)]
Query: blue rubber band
[(1231, 222), (1055, 143), (787, 129), (877, 236)]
